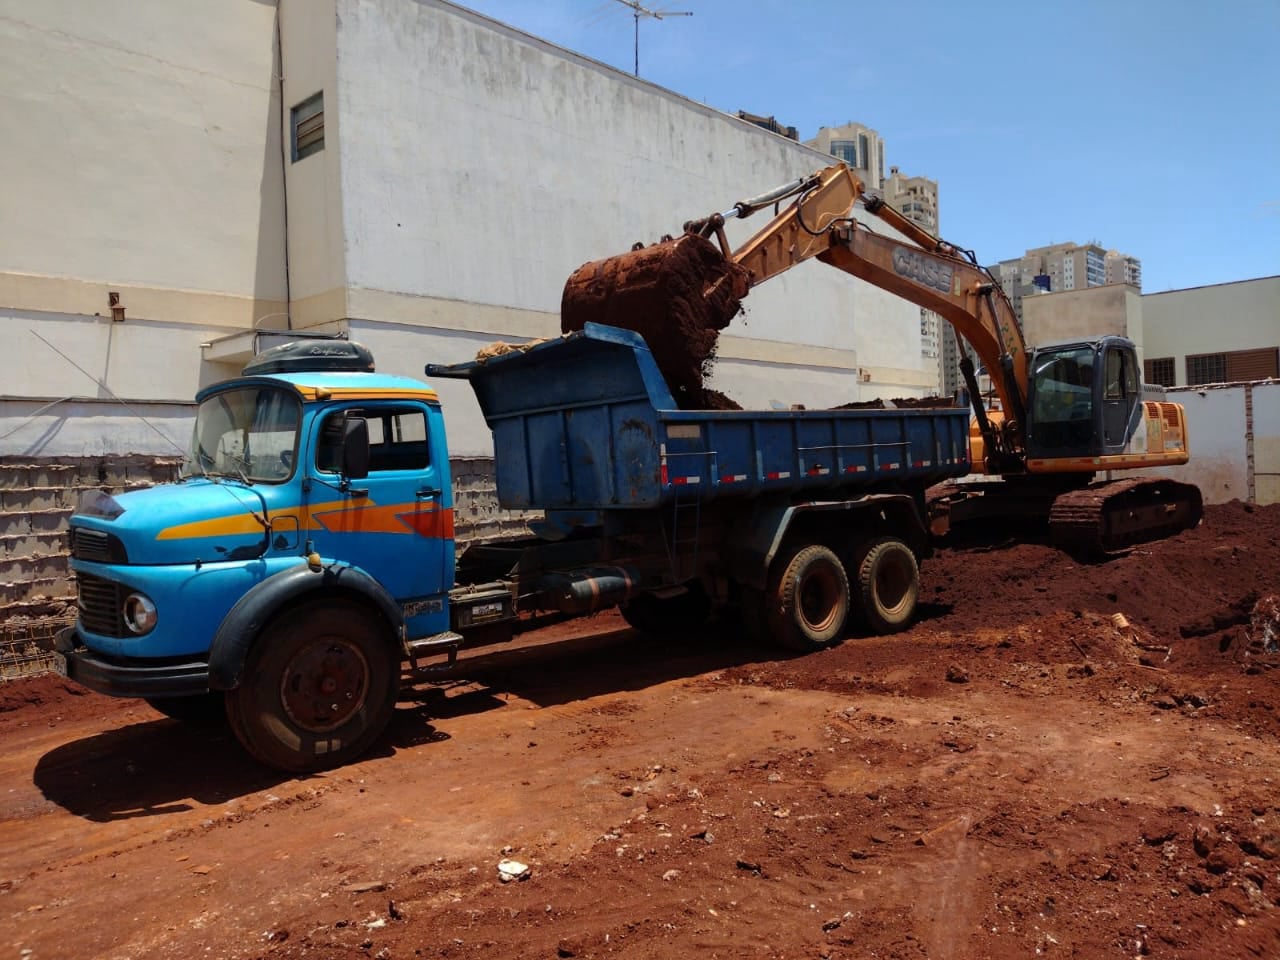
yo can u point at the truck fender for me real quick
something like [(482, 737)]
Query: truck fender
[(241, 626), (754, 545)]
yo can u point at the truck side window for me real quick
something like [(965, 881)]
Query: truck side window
[(329, 447), (397, 439)]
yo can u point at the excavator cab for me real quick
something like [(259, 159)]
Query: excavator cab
[(1083, 398)]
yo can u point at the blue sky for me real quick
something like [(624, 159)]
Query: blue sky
[(1149, 126)]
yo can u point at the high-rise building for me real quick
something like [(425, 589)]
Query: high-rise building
[(1122, 268), (916, 198), (1064, 266), (859, 147)]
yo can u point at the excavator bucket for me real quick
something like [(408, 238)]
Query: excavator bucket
[(678, 294)]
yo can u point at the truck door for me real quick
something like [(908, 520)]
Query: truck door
[(1119, 396), (393, 524)]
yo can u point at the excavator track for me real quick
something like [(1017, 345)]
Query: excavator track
[(1114, 514)]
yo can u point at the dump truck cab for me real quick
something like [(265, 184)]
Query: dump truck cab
[(309, 476)]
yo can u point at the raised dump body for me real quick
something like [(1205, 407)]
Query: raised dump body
[(586, 422)]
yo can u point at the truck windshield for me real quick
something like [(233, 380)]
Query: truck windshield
[(250, 433)]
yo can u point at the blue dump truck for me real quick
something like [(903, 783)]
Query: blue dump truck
[(307, 553)]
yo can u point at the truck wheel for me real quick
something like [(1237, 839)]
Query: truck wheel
[(202, 710), (888, 585), (319, 687), (808, 603), (651, 614)]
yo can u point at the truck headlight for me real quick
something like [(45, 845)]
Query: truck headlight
[(139, 613)]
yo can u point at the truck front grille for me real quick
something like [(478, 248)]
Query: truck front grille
[(96, 545), (100, 606)]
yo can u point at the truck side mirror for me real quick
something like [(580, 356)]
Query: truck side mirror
[(355, 448)]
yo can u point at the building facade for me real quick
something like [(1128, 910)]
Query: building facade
[(857, 146), (1064, 266), (916, 198), (1222, 333), (250, 170)]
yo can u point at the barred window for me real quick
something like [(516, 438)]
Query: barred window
[(1159, 371), (1206, 368)]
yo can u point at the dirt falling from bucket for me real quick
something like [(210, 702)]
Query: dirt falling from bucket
[(670, 293)]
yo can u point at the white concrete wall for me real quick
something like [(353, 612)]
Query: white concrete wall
[(481, 166), (1223, 461), (1214, 319), (141, 154), (90, 428), (1266, 442), (141, 147)]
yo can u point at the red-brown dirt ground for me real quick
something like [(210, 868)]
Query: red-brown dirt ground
[(1021, 774)]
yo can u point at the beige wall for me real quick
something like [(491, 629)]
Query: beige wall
[(141, 151), (1091, 312), (1214, 319), (141, 155), (317, 268)]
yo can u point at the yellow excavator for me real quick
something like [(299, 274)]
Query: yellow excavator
[(1065, 412)]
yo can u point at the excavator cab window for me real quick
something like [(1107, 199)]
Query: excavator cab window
[(1120, 397), (1061, 421)]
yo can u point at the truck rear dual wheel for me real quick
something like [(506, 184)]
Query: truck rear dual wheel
[(887, 584), (808, 600), (319, 688)]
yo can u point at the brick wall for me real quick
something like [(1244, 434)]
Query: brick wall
[(36, 498), (476, 514)]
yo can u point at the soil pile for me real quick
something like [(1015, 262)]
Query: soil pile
[(678, 295)]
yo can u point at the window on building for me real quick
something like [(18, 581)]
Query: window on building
[(863, 152), (307, 126), (1234, 366), (845, 150), (1206, 368), (1159, 371)]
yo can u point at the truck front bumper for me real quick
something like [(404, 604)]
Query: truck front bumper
[(122, 679)]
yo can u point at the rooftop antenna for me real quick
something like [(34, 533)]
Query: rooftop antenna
[(638, 11)]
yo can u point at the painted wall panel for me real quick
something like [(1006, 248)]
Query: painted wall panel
[(1216, 436)]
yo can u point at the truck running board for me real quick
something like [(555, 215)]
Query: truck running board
[(446, 642)]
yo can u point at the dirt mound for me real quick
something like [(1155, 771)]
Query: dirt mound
[(1176, 587), (678, 295)]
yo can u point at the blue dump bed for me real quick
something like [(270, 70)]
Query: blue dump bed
[(587, 422)]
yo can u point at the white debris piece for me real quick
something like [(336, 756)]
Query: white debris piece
[(509, 870)]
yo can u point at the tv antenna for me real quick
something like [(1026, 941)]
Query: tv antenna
[(638, 11)]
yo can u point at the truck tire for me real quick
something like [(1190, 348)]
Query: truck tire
[(319, 687), (661, 615), (202, 710), (809, 600), (887, 583)]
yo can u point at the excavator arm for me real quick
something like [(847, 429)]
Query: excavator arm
[(923, 269)]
